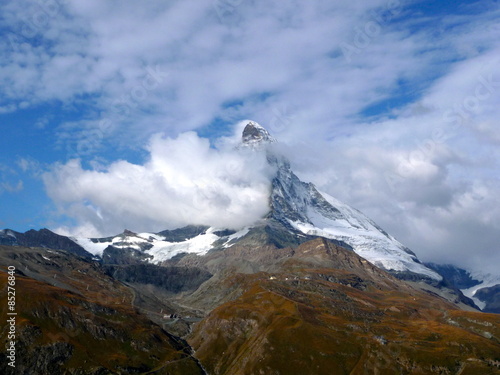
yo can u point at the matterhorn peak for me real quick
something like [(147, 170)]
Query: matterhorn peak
[(255, 135)]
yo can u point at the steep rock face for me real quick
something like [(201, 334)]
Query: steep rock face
[(123, 255), (482, 289), (185, 233), (491, 298), (172, 279)]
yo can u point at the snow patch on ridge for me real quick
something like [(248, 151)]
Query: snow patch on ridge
[(93, 248), (487, 281), (230, 239), (200, 245), (7, 232), (377, 249), (157, 246)]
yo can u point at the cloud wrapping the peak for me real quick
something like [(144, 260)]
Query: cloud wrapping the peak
[(185, 181)]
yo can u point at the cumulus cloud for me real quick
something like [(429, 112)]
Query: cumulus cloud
[(184, 181)]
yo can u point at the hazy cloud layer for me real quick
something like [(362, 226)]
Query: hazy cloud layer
[(390, 109)]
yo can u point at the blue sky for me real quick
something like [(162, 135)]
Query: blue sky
[(391, 106)]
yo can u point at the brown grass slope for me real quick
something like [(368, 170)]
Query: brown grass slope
[(325, 310)]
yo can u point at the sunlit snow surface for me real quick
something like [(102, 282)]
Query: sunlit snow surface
[(201, 244), (159, 248), (364, 236), (93, 248)]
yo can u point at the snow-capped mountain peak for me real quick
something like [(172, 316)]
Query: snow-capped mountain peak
[(302, 207), (255, 135), (297, 210)]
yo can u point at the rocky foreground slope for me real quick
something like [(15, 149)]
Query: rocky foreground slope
[(72, 318), (316, 308)]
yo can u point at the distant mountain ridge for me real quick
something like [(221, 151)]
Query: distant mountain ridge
[(41, 238)]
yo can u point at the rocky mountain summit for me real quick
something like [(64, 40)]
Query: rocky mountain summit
[(255, 135)]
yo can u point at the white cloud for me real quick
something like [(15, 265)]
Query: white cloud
[(185, 181), (105, 50), (6, 186)]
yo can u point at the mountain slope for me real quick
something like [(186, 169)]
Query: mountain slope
[(321, 309), (315, 308), (72, 318)]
